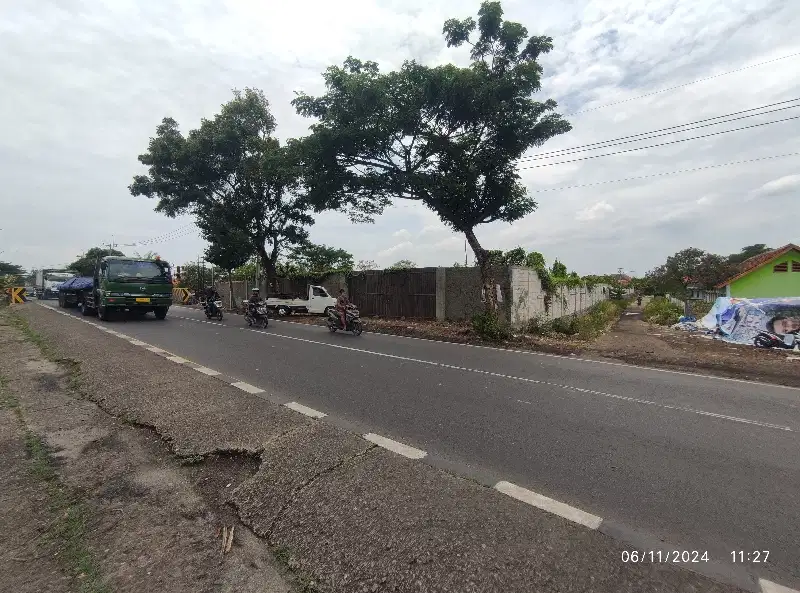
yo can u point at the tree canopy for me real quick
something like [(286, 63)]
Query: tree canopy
[(319, 261), (230, 169), (9, 269), (696, 267), (403, 264), (447, 136), (84, 265)]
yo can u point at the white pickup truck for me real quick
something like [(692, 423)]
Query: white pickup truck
[(317, 301)]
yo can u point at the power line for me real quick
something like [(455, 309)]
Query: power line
[(653, 133), (766, 158), (672, 88), (597, 156), (177, 233)]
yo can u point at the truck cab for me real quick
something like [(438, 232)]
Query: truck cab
[(130, 284)]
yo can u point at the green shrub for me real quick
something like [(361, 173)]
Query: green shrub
[(489, 327), (661, 311)]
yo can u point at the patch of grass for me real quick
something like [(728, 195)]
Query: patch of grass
[(661, 311), (32, 336), (587, 326), (69, 529), (8, 401)]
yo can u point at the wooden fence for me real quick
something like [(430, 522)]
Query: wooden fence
[(395, 293)]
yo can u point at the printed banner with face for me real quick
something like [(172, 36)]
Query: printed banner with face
[(741, 320)]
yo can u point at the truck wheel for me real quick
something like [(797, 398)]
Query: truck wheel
[(283, 311), (85, 311), (103, 313), (60, 301), (161, 313), (328, 310)]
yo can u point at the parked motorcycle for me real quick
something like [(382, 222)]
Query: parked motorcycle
[(257, 316), (352, 317), (213, 309)]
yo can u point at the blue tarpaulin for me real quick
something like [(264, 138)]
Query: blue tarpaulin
[(79, 283)]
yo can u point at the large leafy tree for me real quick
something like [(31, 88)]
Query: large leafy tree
[(84, 265), (446, 136), (690, 267), (230, 167)]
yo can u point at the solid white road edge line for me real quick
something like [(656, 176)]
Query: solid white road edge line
[(305, 410), (207, 371), (770, 587), (395, 447), (548, 504), (137, 343), (155, 350), (247, 387)]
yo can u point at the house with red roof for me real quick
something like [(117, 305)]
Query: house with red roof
[(772, 274)]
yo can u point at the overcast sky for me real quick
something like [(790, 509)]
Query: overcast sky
[(86, 82)]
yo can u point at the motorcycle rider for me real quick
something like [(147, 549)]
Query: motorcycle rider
[(254, 302), (342, 303), (212, 296)]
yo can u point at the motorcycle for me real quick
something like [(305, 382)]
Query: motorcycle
[(352, 318), (259, 318), (213, 309)]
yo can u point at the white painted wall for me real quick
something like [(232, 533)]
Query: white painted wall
[(527, 297)]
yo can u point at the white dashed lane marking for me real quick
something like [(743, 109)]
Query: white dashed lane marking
[(305, 410), (247, 387), (548, 504), (207, 371), (176, 359), (571, 388), (770, 587), (395, 447)]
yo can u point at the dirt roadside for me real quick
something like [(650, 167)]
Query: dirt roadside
[(629, 340), (637, 342), (95, 504)]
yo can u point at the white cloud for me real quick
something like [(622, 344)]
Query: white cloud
[(780, 186), (595, 212), (84, 89), (399, 250), (401, 234)]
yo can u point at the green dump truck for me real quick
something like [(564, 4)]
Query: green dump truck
[(122, 284)]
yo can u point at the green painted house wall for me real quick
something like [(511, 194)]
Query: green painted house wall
[(764, 283)]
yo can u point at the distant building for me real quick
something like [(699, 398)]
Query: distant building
[(772, 274)]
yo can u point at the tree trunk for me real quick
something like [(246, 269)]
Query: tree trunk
[(270, 269), (230, 288), (487, 273)]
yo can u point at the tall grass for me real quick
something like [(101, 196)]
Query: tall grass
[(661, 311)]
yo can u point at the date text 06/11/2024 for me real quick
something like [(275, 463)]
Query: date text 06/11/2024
[(664, 556), (691, 556)]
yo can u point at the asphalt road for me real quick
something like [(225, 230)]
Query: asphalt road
[(695, 462)]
